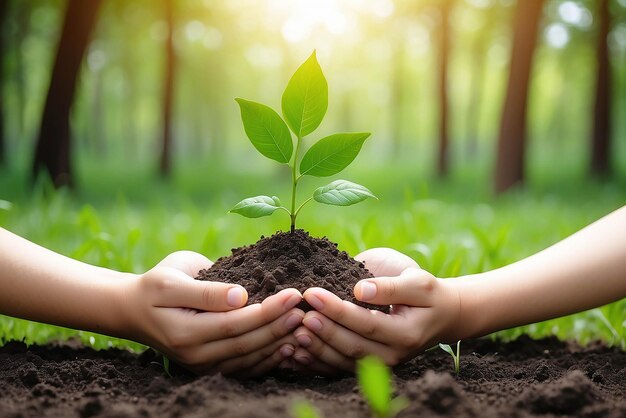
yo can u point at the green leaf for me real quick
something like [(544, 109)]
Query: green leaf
[(447, 349), (305, 99), (266, 130), (375, 381), (256, 207), (332, 154), (342, 193)]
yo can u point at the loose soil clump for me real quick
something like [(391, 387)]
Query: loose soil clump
[(525, 378), (290, 260)]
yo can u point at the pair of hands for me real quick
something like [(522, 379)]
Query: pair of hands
[(205, 326)]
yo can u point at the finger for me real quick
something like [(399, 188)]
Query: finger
[(205, 327), (412, 287), (285, 346), (385, 261), (347, 342), (221, 350), (312, 348), (263, 367), (175, 289), (371, 324), (307, 363), (188, 262)]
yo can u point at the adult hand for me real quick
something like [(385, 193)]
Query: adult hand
[(425, 310), (204, 326)]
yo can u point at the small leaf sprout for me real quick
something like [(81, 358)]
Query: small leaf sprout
[(456, 358)]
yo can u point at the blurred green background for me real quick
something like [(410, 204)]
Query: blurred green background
[(401, 69)]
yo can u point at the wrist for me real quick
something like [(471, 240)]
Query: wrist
[(118, 290), (474, 311)]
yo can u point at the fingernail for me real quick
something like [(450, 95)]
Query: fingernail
[(304, 340), (286, 351), (293, 321), (368, 290), (293, 301), (234, 297), (303, 359), (313, 324), (315, 302)]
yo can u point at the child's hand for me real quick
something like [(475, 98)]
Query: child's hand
[(197, 323), (425, 311)]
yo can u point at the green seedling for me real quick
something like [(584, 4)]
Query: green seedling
[(455, 357), (304, 104), (375, 382), (303, 409)]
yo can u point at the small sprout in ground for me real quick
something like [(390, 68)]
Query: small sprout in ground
[(166, 365), (303, 409), (455, 357), (375, 382), (304, 104)]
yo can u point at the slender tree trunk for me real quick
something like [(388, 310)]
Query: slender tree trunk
[(53, 150), (476, 94), (3, 17), (397, 98), (165, 167), (444, 50), (602, 129), (512, 139)]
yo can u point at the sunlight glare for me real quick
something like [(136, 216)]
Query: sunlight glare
[(307, 16)]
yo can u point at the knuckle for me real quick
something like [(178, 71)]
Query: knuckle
[(187, 357), (208, 296), (370, 328), (228, 329), (277, 329), (356, 351), (390, 288), (240, 348), (429, 283)]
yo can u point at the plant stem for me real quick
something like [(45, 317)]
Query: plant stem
[(302, 205), (294, 183)]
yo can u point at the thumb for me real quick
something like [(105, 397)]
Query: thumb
[(181, 291), (412, 287)]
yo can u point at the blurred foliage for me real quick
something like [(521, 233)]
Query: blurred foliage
[(379, 55)]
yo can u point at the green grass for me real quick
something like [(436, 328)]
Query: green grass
[(122, 218)]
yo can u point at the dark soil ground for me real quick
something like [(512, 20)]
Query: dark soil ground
[(287, 260), (525, 378)]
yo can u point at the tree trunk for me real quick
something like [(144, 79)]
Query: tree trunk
[(444, 50), (3, 16), (53, 150), (165, 167), (601, 137), (512, 139)]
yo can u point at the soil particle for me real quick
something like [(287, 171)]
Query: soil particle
[(497, 380), (290, 260)]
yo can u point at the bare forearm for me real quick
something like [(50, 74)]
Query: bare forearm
[(40, 285), (586, 270)]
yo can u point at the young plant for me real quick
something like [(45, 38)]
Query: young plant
[(303, 409), (375, 382), (304, 104), (456, 358)]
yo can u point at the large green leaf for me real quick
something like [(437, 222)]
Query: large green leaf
[(305, 99), (266, 130), (375, 381), (342, 193), (332, 154), (256, 207)]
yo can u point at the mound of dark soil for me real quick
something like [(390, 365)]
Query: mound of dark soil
[(290, 260), (525, 378)]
